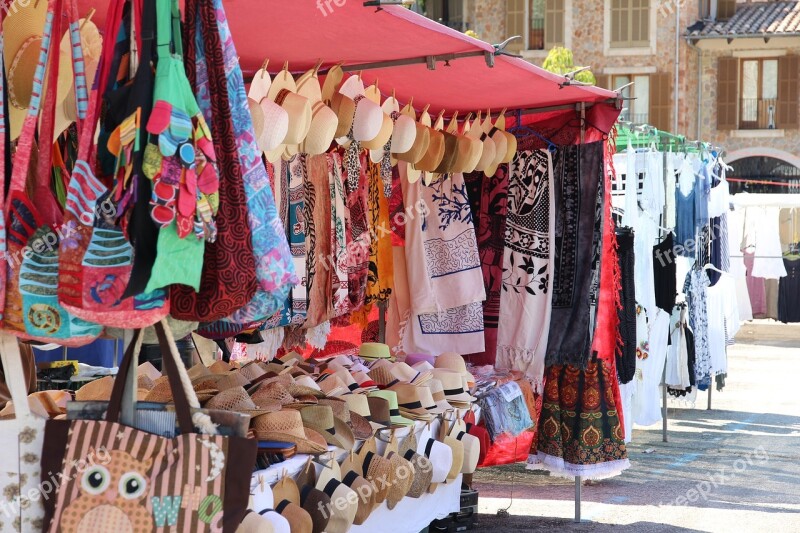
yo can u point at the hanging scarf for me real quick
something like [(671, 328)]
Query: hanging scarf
[(297, 235), (578, 170), (527, 266), (488, 198), (379, 279), (318, 243), (357, 227), (626, 352), (339, 259)]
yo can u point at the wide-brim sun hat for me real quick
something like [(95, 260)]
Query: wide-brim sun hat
[(322, 132), (334, 430), (383, 136), (287, 426)]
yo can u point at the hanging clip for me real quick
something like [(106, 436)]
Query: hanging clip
[(264, 67)]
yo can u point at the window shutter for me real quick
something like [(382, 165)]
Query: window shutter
[(725, 9), (727, 94), (660, 92), (515, 23), (788, 78), (603, 81), (554, 23)]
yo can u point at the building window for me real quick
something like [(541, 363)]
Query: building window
[(540, 22), (447, 12), (759, 94), (638, 109), (630, 23)]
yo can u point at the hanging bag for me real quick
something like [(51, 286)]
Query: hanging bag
[(118, 478), (96, 265), (180, 161), (21, 440), (229, 270), (34, 230)]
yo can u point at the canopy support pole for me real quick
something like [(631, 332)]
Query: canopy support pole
[(664, 399), (577, 499)]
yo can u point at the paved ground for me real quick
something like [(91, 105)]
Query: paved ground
[(749, 444)]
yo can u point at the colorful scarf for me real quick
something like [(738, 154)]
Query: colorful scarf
[(527, 281), (380, 277), (339, 261), (489, 198), (318, 243), (357, 228), (578, 171), (297, 235)]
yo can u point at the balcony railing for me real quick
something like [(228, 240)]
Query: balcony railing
[(758, 114)]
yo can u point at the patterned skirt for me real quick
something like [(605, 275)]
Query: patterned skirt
[(580, 430)]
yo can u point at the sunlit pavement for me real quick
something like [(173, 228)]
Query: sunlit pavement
[(734, 468)]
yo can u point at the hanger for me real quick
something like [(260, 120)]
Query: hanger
[(519, 131), (709, 266)]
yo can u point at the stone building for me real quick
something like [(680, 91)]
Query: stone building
[(724, 71)]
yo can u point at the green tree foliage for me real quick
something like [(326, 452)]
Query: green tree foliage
[(559, 61)]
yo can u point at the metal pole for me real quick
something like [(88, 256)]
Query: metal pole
[(711, 386), (577, 499), (664, 398), (382, 322)]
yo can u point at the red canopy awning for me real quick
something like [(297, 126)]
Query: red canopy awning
[(302, 32)]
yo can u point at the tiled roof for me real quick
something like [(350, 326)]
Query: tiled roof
[(757, 18)]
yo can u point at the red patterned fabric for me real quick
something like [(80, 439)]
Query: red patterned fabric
[(229, 271)]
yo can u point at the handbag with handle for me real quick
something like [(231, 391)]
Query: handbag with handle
[(228, 280), (34, 229), (96, 265), (21, 440), (118, 478)]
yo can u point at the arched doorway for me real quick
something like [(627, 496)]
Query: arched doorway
[(764, 174)]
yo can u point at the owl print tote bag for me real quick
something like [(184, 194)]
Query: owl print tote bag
[(121, 479), (21, 508)]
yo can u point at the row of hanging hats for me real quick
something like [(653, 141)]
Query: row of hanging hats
[(301, 115)]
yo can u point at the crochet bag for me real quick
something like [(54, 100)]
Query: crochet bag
[(119, 478), (96, 264), (229, 270), (34, 230)]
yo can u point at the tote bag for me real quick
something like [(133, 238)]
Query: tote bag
[(34, 230), (137, 481), (21, 440), (96, 265), (229, 271)]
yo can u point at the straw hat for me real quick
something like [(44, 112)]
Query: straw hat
[(283, 80), (472, 449), (298, 108), (343, 512), (453, 386), (98, 390), (220, 367), (364, 381), (318, 505), (448, 161), (255, 523), (383, 136), (414, 358), (268, 395), (455, 362), (474, 136), (374, 350), (286, 490), (368, 121), (287, 426), (335, 431), (457, 448), (22, 37), (511, 140), (427, 401), (440, 456), (399, 489), (331, 385), (345, 109), (435, 153), (375, 468), (237, 400), (147, 369), (394, 411), (366, 499), (437, 391), (501, 145), (332, 81), (358, 404), (380, 416), (324, 123), (358, 424), (92, 46), (270, 123), (403, 372), (298, 518), (232, 380), (252, 371), (348, 380), (410, 403), (423, 469)]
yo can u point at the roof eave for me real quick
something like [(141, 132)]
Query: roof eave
[(743, 36)]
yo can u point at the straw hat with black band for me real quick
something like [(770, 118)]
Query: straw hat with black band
[(334, 430), (318, 505), (287, 426)]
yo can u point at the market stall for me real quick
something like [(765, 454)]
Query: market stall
[(283, 175)]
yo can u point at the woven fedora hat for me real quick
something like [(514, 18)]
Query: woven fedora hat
[(458, 456), (437, 391), (268, 395), (255, 523), (232, 380), (318, 505), (358, 424), (335, 431), (382, 376), (298, 518), (324, 123), (403, 372), (287, 426), (380, 416), (366, 500), (427, 401), (423, 470), (345, 109), (220, 367), (345, 506), (435, 153), (98, 390), (472, 450), (404, 478), (374, 350), (332, 385), (410, 403), (447, 164), (299, 110), (403, 135), (237, 400), (474, 136), (147, 369), (511, 140), (375, 468), (453, 385), (501, 145), (394, 411), (383, 136), (286, 489), (252, 371)]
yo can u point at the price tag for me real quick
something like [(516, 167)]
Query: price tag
[(510, 391)]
